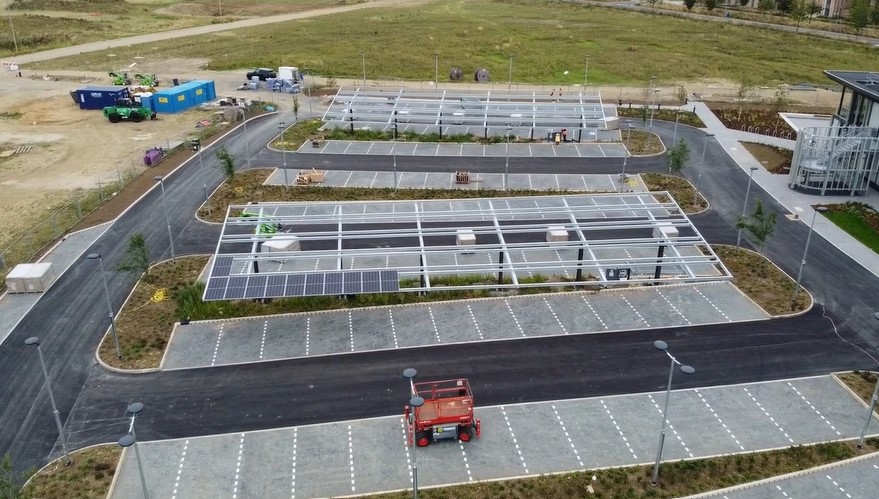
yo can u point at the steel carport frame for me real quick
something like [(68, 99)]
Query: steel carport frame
[(418, 240)]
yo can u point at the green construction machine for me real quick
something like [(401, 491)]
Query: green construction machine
[(126, 109), (146, 80), (120, 78)]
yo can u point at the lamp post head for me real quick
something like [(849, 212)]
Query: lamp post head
[(687, 369), (709, 135), (94, 256), (158, 178), (126, 441), (409, 373), (660, 345), (281, 124), (754, 168), (821, 209), (135, 407), (33, 340), (416, 401)]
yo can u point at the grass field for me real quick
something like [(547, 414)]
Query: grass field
[(546, 39)]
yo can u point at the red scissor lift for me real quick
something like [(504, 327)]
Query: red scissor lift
[(447, 412)]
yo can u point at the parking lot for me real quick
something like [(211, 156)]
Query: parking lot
[(514, 150), (476, 181), (211, 343), (358, 457)]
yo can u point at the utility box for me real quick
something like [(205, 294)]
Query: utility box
[(99, 97), (665, 230), (281, 243), (466, 239), (30, 278), (556, 234)]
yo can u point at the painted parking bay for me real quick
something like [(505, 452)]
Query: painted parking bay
[(213, 343), (359, 457)]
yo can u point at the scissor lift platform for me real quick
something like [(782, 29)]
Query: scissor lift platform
[(447, 412)]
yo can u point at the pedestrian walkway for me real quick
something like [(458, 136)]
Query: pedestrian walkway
[(372, 455), (797, 203), (13, 307)]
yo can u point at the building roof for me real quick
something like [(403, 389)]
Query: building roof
[(863, 82)]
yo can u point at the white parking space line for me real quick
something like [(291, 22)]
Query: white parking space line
[(525, 260), (393, 328), (316, 263), (180, 468), (556, 317), (370, 147), (516, 320), (347, 147), (766, 413), (373, 180), (719, 420), (262, 344), (814, 409), (671, 427), (837, 485), (217, 346), (351, 329), (558, 187), (530, 185), (475, 324), (351, 456), (585, 185), (400, 180), (433, 323), (673, 307), (640, 317), (594, 312), (466, 462), (565, 431), (307, 334), (559, 255), (696, 288), (293, 466), (515, 442), (403, 423), (577, 148), (348, 179), (414, 149), (623, 435), (238, 466), (778, 487)]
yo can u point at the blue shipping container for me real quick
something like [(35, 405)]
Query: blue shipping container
[(99, 97), (182, 97)]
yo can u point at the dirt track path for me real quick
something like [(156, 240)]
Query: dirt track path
[(202, 30)]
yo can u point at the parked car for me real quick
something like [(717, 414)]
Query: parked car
[(262, 73)]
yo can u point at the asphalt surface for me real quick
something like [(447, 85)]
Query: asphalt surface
[(72, 317)]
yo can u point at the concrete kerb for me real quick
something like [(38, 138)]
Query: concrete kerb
[(835, 377), (58, 463), (765, 481)]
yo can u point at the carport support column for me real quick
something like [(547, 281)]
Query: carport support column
[(659, 254), (580, 264), (500, 273)]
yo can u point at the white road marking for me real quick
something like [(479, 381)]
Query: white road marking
[(695, 288), (466, 462), (551, 311), (262, 344), (475, 324), (565, 431), (403, 424), (814, 409), (671, 427), (623, 435), (640, 317), (293, 472), (351, 456), (238, 466), (519, 326), (836, 484), (719, 420), (180, 468), (673, 307), (393, 328), (351, 328), (766, 413), (217, 346), (513, 436), (433, 322), (778, 487), (307, 334), (593, 312)]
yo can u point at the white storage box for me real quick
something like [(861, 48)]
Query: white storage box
[(281, 243), (30, 278), (466, 238), (556, 234)]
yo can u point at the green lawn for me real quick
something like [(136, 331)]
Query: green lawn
[(546, 40), (853, 218)]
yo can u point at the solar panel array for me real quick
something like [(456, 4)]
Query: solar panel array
[(223, 286)]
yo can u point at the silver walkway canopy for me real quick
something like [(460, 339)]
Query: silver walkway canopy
[(295, 249)]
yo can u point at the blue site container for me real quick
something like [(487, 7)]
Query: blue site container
[(99, 97), (182, 97)]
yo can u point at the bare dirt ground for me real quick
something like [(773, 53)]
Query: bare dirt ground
[(72, 149)]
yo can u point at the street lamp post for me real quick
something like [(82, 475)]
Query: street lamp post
[(507, 162), (414, 401), (96, 256), (629, 127), (661, 345), (196, 145), (436, 70), (363, 64), (653, 109), (33, 340), (161, 181), (623, 175), (701, 166), (745, 204), (134, 409), (283, 126), (872, 404), (308, 89), (674, 137), (586, 73), (510, 81), (793, 297), (394, 155)]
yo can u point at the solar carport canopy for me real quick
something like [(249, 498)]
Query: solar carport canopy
[(490, 110), (384, 246)]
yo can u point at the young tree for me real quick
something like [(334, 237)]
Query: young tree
[(227, 163), (814, 10), (765, 6), (859, 15), (759, 224), (677, 157), (689, 4), (652, 2), (296, 106), (874, 14), (9, 487), (710, 4), (783, 5), (799, 11), (137, 258)]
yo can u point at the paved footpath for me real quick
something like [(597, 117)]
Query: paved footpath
[(364, 456)]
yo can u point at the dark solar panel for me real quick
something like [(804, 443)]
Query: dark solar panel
[(256, 286), (236, 287), (222, 266), (372, 282), (333, 283), (295, 285), (275, 286), (390, 281), (216, 288), (352, 282), (314, 284)]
